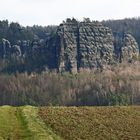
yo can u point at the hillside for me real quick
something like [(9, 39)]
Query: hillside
[(70, 47), (68, 123)]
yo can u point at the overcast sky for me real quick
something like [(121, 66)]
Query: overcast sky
[(48, 12)]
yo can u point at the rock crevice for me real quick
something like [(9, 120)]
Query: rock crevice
[(84, 45)]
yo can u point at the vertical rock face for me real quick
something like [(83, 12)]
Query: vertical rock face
[(83, 45), (96, 45), (68, 35), (6, 46), (126, 47), (75, 46), (130, 48)]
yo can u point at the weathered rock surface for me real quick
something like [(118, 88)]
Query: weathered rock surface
[(75, 46), (126, 47), (6, 46), (83, 45), (68, 44), (95, 45), (130, 48)]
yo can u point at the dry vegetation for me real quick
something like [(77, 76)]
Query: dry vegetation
[(115, 85), (93, 123)]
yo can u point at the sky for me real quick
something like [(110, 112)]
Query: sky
[(53, 12)]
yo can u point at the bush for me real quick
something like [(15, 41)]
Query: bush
[(119, 85)]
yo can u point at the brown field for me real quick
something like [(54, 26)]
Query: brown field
[(93, 123)]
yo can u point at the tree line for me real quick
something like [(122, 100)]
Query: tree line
[(116, 85), (128, 25)]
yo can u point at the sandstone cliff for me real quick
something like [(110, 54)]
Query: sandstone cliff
[(83, 45), (130, 48), (126, 47), (73, 47)]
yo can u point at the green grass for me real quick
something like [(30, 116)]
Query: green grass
[(8, 123), (36, 125), (69, 123), (23, 123), (12, 126), (93, 123)]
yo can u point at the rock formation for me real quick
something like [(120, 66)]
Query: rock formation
[(126, 47), (6, 47), (75, 46), (68, 46), (16, 51), (130, 48), (83, 45), (95, 45)]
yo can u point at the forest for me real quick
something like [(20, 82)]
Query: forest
[(117, 85)]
